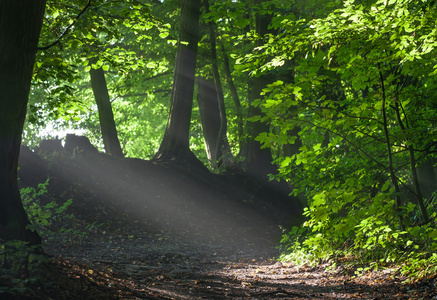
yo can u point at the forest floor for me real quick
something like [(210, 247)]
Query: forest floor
[(144, 230), (139, 266)]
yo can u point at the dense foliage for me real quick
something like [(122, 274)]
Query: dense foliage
[(349, 102), (363, 99)]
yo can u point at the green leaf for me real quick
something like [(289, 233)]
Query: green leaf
[(433, 234), (285, 162), (319, 199), (164, 34)]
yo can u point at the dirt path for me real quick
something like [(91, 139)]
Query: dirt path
[(159, 267), (174, 232)]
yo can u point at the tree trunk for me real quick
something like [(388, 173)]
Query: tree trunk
[(258, 161), (106, 117), (234, 94), (20, 27), (222, 153), (176, 137), (209, 117), (427, 176), (416, 184), (390, 168), (216, 144)]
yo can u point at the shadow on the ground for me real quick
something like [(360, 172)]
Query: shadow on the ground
[(162, 231), (150, 267)]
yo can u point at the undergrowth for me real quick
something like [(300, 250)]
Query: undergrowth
[(48, 217), (369, 239), (21, 265)]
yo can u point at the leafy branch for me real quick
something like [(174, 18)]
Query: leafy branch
[(67, 29)]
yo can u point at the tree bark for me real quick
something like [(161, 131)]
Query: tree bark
[(390, 168), (258, 161), (415, 178), (106, 117), (234, 94), (20, 27), (217, 148), (176, 137), (222, 153), (209, 117)]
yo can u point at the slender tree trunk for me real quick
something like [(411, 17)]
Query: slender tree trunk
[(106, 117), (209, 117), (223, 154), (234, 94), (416, 184), (20, 26), (176, 137), (217, 148), (391, 170)]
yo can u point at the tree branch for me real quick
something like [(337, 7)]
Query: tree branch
[(68, 28)]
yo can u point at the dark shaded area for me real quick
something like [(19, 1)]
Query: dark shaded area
[(20, 28), (172, 196), (79, 143)]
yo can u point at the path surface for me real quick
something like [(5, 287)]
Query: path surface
[(159, 267), (170, 231)]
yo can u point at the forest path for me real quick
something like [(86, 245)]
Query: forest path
[(145, 230), (156, 266)]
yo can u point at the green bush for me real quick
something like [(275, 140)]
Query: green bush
[(21, 264), (48, 218)]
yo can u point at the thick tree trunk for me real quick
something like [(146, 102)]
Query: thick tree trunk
[(258, 161), (176, 137), (106, 117), (20, 26)]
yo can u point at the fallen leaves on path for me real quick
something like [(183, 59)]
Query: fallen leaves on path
[(154, 269)]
